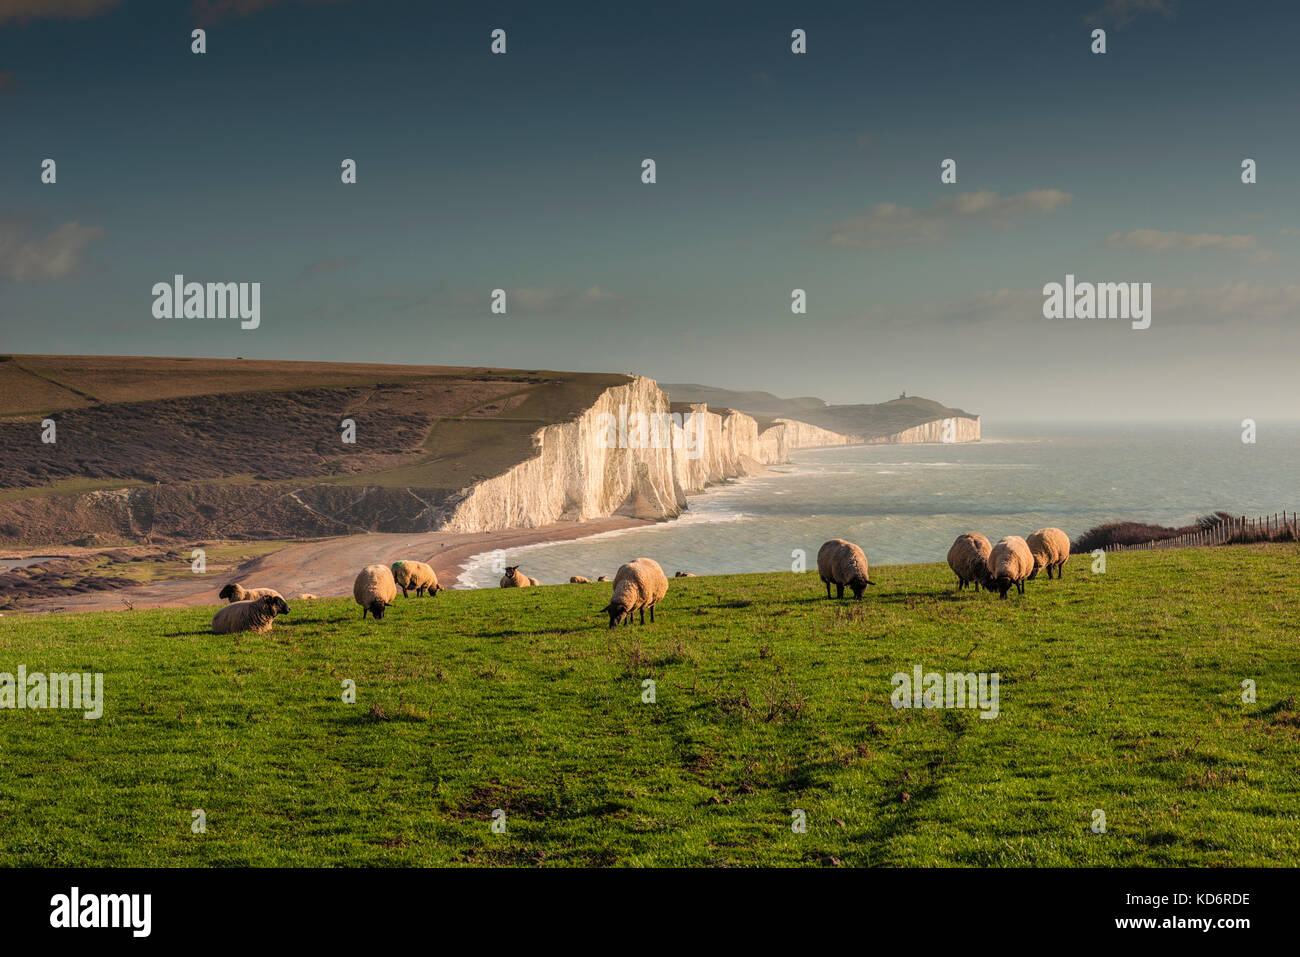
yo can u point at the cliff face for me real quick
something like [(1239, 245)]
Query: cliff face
[(963, 429)]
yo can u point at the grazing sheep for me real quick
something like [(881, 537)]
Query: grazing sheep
[(969, 558), (236, 592), (416, 575), (256, 615), (1009, 563), (579, 580), (684, 575), (1051, 550), (374, 590), (514, 578), (640, 584), (842, 563), (603, 578)]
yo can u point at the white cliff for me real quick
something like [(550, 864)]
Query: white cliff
[(962, 429), (629, 454)]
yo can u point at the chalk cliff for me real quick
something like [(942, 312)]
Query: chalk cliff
[(963, 429)]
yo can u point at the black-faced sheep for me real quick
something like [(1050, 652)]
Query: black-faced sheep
[(256, 615), (514, 578), (417, 576), (968, 558), (236, 592), (1051, 550), (684, 575), (1009, 564), (638, 585), (374, 590), (842, 564), (603, 578)]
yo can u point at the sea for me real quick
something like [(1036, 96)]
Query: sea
[(906, 503)]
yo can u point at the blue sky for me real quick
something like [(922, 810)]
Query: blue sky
[(775, 171)]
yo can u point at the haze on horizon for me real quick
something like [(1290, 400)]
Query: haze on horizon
[(775, 171)]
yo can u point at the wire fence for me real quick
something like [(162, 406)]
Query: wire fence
[(1277, 527)]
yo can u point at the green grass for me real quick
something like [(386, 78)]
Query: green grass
[(1119, 691)]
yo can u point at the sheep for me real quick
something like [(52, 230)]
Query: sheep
[(417, 576), (842, 563), (514, 578), (374, 590), (579, 580), (969, 557), (304, 596), (638, 585), (256, 615), (1051, 550), (603, 578), (235, 592), (534, 582), (1009, 563), (684, 575)]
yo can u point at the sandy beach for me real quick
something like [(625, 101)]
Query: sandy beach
[(327, 567)]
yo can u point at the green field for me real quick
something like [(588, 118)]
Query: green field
[(1119, 691)]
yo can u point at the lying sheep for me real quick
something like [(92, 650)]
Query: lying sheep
[(603, 578), (1051, 550), (579, 580), (416, 575), (236, 592), (256, 615), (374, 590), (1009, 563), (684, 575), (638, 585), (842, 563), (303, 596), (514, 578), (968, 558)]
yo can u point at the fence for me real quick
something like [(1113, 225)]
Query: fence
[(1230, 531)]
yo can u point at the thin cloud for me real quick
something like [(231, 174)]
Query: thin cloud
[(890, 226), (26, 258), (20, 11), (1159, 241)]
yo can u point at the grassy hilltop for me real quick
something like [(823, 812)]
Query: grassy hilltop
[(1119, 691)]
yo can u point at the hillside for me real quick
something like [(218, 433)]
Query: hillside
[(1119, 692), (866, 421)]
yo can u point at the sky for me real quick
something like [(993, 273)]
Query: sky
[(774, 171)]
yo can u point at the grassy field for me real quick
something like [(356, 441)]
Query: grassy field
[(1119, 691)]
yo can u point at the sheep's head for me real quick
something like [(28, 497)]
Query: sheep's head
[(617, 612), (1002, 584), (228, 592), (435, 589), (275, 605), (511, 569), (377, 608), (859, 584)]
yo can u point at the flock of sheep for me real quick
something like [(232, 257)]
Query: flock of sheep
[(641, 584)]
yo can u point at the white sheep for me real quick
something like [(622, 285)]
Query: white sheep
[(638, 585), (374, 590), (579, 580), (684, 575), (841, 564), (417, 576), (1009, 563), (1051, 550), (603, 578), (236, 592), (514, 578), (256, 615), (968, 558)]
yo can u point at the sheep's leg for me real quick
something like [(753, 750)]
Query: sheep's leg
[(828, 587), (1060, 569), (839, 590), (643, 614), (652, 614)]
